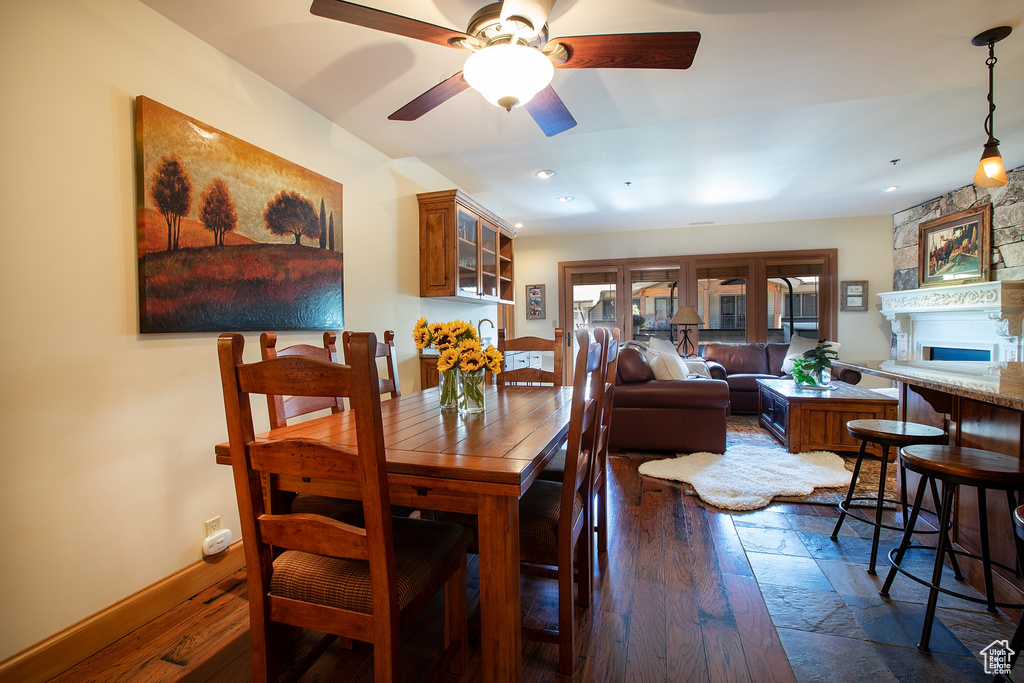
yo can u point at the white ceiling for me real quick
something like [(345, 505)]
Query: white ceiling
[(792, 109)]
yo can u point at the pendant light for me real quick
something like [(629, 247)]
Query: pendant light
[(991, 172)]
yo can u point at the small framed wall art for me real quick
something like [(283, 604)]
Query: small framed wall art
[(535, 302), (853, 295), (956, 249)]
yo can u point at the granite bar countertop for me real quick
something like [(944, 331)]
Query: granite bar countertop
[(1000, 383)]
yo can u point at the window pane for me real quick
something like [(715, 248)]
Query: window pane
[(655, 297), (793, 305), (722, 305)]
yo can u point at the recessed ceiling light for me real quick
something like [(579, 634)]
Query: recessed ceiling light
[(565, 198), (545, 174), (891, 188), (519, 225)]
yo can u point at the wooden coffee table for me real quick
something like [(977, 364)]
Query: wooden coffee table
[(815, 419)]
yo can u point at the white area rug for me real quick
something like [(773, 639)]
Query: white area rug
[(748, 477)]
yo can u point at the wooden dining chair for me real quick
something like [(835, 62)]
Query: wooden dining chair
[(555, 469), (360, 583), (530, 375), (555, 519), (385, 349), (283, 408), (554, 516)]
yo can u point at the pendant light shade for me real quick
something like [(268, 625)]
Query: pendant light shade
[(991, 172), (508, 75)]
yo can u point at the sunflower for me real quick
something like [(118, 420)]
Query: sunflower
[(448, 359)]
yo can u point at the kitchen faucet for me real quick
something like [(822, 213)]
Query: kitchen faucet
[(480, 325)]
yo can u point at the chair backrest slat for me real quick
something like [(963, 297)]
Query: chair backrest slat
[(530, 375), (386, 350), (582, 418), (283, 408), (315, 534)]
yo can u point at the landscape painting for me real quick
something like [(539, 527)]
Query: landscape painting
[(955, 249), (230, 236)]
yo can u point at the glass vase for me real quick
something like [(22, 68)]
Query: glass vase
[(824, 378), (471, 398), (449, 389)]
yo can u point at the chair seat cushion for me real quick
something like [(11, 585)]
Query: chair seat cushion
[(555, 469), (538, 514), (422, 549), (341, 509)]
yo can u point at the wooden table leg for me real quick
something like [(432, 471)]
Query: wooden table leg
[(500, 621)]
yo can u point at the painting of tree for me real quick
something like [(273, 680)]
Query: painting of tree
[(217, 210), (275, 260), (171, 189)]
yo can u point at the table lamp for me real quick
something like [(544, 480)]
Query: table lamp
[(684, 317)]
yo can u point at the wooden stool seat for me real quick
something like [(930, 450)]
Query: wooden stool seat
[(893, 432), (887, 434), (967, 466), (954, 467)]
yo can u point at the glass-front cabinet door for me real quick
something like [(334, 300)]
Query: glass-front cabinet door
[(467, 253), (488, 260)]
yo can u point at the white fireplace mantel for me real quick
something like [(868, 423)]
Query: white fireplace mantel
[(981, 316)]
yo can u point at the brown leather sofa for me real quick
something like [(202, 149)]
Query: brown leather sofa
[(741, 365), (681, 416)]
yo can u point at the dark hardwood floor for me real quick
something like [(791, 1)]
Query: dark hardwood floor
[(685, 593)]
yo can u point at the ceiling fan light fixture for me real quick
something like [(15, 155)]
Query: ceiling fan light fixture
[(508, 75)]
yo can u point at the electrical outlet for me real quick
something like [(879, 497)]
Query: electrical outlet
[(212, 525)]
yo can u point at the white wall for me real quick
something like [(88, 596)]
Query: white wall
[(107, 468), (864, 246)]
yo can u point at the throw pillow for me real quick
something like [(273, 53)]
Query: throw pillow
[(662, 345), (797, 346), (696, 368), (669, 366)]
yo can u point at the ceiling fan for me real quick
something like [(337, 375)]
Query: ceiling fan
[(513, 58)]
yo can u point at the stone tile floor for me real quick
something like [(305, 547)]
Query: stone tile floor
[(831, 620)]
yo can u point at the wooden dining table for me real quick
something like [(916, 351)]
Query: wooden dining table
[(478, 464)]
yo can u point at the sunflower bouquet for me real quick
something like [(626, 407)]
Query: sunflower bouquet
[(461, 363)]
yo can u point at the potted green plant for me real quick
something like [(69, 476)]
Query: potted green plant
[(815, 368)]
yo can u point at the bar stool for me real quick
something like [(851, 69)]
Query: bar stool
[(887, 434), (1017, 641), (956, 467)]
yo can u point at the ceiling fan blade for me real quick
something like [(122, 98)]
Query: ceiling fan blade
[(439, 94), (534, 11), (351, 13), (628, 50), (548, 110)]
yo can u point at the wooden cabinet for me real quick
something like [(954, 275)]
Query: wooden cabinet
[(430, 376), (465, 250)]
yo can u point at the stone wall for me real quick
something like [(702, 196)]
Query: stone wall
[(1007, 229)]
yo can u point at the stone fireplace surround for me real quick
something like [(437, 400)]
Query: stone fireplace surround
[(984, 316)]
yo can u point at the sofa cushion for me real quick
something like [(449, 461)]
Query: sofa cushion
[(633, 366), (739, 358), (669, 366), (746, 382), (697, 394), (776, 356), (797, 346)]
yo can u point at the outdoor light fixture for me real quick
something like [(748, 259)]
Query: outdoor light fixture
[(509, 74), (684, 317), (991, 172)]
